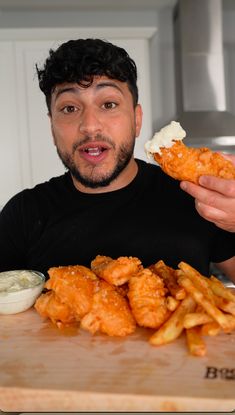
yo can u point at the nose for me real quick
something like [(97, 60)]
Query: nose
[(90, 123)]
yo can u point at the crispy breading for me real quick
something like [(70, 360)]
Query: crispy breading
[(48, 305), (186, 163), (147, 299), (115, 271), (168, 275), (74, 285), (122, 289), (110, 313)]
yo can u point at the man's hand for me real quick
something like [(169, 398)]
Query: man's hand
[(214, 199)]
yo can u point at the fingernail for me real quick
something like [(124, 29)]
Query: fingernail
[(202, 180)]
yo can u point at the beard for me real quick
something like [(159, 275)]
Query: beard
[(92, 180)]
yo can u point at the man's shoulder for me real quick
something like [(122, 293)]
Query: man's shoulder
[(148, 168), (152, 172), (159, 184), (35, 195), (54, 182)]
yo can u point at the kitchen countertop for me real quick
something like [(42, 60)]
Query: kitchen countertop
[(45, 369)]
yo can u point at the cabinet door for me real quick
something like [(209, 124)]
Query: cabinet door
[(37, 156), (10, 167)]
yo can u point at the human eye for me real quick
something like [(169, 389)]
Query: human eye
[(109, 105), (69, 109)]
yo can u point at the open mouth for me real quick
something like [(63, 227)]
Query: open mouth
[(94, 151)]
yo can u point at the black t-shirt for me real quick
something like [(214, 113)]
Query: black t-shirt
[(152, 218)]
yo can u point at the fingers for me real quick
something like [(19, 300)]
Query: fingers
[(223, 186), (217, 216), (216, 202), (209, 197)]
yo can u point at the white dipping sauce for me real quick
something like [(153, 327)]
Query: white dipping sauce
[(12, 281), (165, 138)]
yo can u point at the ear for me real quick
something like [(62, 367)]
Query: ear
[(138, 119)]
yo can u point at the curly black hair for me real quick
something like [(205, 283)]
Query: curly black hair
[(82, 59)]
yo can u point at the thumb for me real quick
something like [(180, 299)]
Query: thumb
[(230, 157)]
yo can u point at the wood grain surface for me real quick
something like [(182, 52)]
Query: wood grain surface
[(45, 369)]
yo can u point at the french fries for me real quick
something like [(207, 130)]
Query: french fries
[(207, 310), (196, 319), (210, 329), (174, 326), (168, 275), (225, 305), (219, 289), (201, 299), (171, 303), (199, 281), (195, 342)]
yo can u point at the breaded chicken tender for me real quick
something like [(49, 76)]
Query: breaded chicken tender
[(147, 299), (122, 289), (169, 277), (110, 313), (115, 271), (48, 305), (186, 163), (74, 285)]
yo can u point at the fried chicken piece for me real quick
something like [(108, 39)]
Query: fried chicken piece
[(48, 305), (147, 299), (110, 313), (115, 271), (122, 289), (187, 163), (74, 286), (169, 278)]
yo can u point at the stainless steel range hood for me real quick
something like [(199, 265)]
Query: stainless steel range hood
[(200, 77)]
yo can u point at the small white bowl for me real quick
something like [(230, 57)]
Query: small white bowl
[(18, 301)]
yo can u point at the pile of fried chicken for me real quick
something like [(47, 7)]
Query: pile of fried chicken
[(113, 296)]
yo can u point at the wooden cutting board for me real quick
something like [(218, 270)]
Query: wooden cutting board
[(45, 369)]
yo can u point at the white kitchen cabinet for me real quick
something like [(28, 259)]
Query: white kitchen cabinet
[(10, 164), (28, 155)]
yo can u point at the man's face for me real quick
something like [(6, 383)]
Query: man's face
[(94, 129)]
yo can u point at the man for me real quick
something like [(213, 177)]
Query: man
[(108, 203)]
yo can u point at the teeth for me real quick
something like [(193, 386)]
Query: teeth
[(93, 151)]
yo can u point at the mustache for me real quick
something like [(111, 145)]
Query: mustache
[(88, 139)]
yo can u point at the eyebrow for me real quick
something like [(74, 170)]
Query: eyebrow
[(105, 84), (62, 90), (75, 90)]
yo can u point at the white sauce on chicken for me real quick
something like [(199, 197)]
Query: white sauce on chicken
[(164, 138)]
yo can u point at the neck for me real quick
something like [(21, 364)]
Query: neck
[(124, 178)]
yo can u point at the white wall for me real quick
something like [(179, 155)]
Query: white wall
[(77, 18)]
